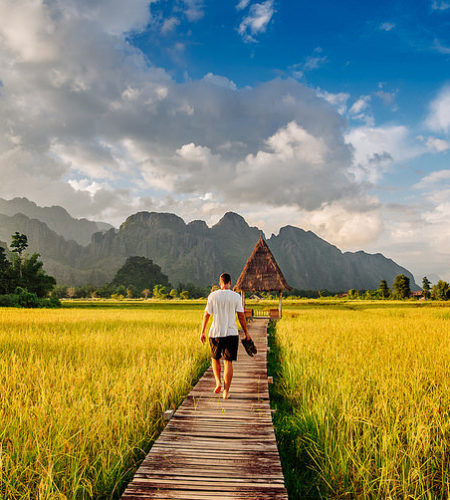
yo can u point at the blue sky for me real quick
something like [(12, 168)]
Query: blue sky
[(401, 44), (332, 116)]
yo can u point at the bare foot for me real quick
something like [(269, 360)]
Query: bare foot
[(225, 394), (218, 388)]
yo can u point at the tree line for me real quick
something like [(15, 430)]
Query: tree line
[(23, 281), (401, 290), (139, 277)]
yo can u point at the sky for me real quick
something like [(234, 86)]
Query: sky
[(330, 116)]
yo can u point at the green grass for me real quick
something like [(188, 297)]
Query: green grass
[(363, 400), (83, 392)]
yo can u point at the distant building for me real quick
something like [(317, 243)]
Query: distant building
[(416, 294)]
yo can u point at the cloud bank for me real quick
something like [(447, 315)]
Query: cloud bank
[(88, 122)]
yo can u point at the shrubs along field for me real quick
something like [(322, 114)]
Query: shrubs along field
[(83, 392), (363, 401)]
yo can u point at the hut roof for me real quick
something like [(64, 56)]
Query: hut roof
[(261, 272)]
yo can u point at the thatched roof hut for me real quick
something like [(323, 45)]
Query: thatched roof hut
[(261, 273)]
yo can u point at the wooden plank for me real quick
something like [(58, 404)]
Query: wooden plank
[(213, 449)]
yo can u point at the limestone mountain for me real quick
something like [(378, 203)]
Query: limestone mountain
[(197, 253), (57, 218), (194, 252)]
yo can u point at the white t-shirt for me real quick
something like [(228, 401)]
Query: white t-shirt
[(223, 305)]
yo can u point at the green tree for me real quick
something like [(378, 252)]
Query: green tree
[(184, 294), (173, 293), (5, 272), (120, 290), (60, 291), (28, 273), (141, 273), (370, 295), (19, 243), (131, 292), (384, 289), (441, 290), (159, 292), (426, 287), (106, 290), (401, 286), (195, 292), (353, 294)]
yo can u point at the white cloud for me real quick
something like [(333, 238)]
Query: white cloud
[(431, 180), (387, 98), (436, 145), (376, 148), (242, 4), (360, 105), (338, 100), (169, 25), (311, 63), (257, 20), (438, 47), (195, 154), (98, 129), (439, 115), (297, 168), (194, 9), (346, 228), (220, 81), (27, 37), (387, 26), (100, 112), (360, 111), (114, 17), (314, 62), (85, 185), (440, 4)]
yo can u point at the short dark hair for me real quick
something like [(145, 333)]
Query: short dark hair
[(226, 278)]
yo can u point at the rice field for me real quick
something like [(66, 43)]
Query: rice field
[(363, 400), (83, 391), (362, 391)]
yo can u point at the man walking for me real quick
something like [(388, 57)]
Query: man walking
[(223, 304)]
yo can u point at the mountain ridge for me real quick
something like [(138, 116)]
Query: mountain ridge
[(195, 252), (56, 217)]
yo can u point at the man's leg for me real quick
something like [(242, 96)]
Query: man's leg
[(227, 377), (215, 363)]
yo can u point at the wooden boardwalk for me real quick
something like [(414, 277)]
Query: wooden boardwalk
[(214, 449)]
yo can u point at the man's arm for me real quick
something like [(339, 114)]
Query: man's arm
[(206, 316), (243, 322)]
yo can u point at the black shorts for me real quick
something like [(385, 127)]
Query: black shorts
[(224, 346)]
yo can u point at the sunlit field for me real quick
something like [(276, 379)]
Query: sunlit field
[(83, 392), (363, 400)]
